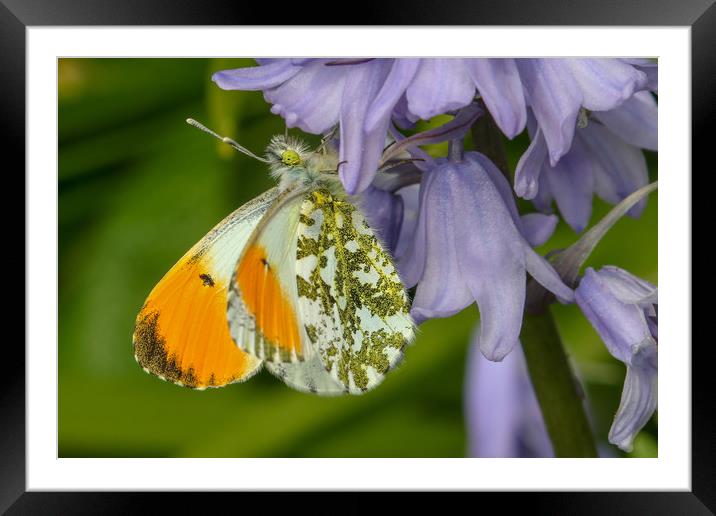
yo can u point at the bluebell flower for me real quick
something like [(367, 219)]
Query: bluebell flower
[(502, 414), (537, 228), (312, 94), (557, 90), (384, 212), (364, 95), (605, 159), (358, 94), (469, 246), (650, 68), (410, 197), (624, 310)]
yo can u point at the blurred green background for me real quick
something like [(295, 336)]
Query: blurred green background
[(138, 187)]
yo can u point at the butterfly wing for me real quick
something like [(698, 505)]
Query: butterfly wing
[(263, 313), (310, 375), (352, 302), (181, 333)]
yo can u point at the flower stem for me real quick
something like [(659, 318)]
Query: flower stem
[(558, 391), (487, 139), (456, 150)]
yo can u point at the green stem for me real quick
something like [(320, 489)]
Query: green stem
[(487, 139), (558, 391)]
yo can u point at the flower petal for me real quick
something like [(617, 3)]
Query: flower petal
[(442, 291), (605, 83), (402, 117), (410, 196), (622, 326), (538, 267), (543, 199), (500, 183), (411, 263), (361, 150), (400, 76), (529, 167), (555, 99), (538, 227), (256, 77), (543, 272), (650, 68), (311, 99), (493, 407), (571, 182), (439, 86), (620, 168), (498, 82), (491, 256), (653, 328), (502, 412), (384, 212), (638, 403), (635, 121), (628, 288)]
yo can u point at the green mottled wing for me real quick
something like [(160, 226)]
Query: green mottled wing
[(352, 302), (307, 376)]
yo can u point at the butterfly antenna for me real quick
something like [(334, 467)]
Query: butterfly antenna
[(226, 140)]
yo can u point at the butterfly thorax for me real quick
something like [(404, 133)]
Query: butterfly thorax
[(293, 164)]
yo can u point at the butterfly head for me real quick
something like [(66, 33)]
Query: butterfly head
[(287, 152), (291, 158)]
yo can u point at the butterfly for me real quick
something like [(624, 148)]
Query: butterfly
[(294, 279)]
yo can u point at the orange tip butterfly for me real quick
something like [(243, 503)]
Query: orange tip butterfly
[(294, 279)]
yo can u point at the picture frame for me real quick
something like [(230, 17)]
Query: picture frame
[(16, 16)]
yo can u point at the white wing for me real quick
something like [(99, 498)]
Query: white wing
[(310, 375), (352, 301)]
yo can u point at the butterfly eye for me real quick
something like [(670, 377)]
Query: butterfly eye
[(290, 158)]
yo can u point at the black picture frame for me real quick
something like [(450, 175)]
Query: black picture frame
[(17, 15)]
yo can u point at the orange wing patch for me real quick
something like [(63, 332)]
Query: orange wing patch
[(265, 300), (182, 334)]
